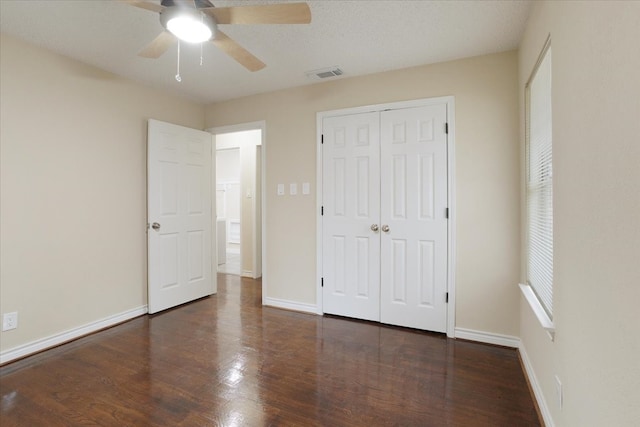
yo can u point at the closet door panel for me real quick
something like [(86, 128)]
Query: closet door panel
[(413, 217), (351, 205)]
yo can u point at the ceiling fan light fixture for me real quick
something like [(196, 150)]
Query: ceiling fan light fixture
[(188, 29), (188, 25)]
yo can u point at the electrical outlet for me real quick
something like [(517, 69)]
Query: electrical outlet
[(559, 391), (10, 321)]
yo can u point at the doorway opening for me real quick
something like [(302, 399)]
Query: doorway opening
[(228, 206), (238, 187)]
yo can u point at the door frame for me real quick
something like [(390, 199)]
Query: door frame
[(451, 229), (262, 126)]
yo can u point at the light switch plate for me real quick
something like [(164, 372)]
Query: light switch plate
[(293, 189), (306, 190), (9, 321), (280, 189)]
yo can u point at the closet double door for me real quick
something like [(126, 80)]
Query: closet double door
[(384, 220)]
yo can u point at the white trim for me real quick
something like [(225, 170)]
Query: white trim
[(488, 337), (262, 126), (451, 188), (451, 229), (241, 127), (319, 190), (535, 386), (69, 335), (380, 107), (538, 310), (290, 305)]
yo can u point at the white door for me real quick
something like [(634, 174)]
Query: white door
[(351, 206), (413, 218), (385, 246), (179, 175)]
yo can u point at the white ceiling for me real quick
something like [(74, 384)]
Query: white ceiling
[(359, 36)]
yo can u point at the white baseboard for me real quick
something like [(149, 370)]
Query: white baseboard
[(535, 385), (69, 335), (290, 305), (250, 274), (487, 337)]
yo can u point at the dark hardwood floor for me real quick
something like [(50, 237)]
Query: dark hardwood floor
[(227, 361)]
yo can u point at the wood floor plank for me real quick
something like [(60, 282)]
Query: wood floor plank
[(227, 361)]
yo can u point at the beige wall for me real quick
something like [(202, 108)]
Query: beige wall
[(73, 190), (596, 143), (487, 176)]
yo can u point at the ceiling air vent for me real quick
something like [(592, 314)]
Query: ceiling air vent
[(324, 73)]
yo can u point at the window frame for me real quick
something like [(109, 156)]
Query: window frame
[(540, 295)]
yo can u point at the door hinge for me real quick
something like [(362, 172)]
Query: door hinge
[(446, 128), (446, 213), (321, 210), (322, 139), (322, 282), (446, 298)]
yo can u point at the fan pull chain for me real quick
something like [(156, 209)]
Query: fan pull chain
[(178, 78), (201, 20)]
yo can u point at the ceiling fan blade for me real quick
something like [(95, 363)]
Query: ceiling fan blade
[(158, 46), (237, 52), (154, 7), (286, 13)]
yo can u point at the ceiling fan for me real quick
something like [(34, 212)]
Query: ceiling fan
[(197, 21)]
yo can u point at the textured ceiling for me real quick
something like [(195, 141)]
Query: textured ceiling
[(359, 36)]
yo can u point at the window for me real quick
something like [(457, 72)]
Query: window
[(539, 185)]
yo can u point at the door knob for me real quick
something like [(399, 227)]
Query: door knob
[(155, 226), (385, 228), (374, 227)]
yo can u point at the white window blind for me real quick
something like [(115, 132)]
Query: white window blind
[(540, 183)]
